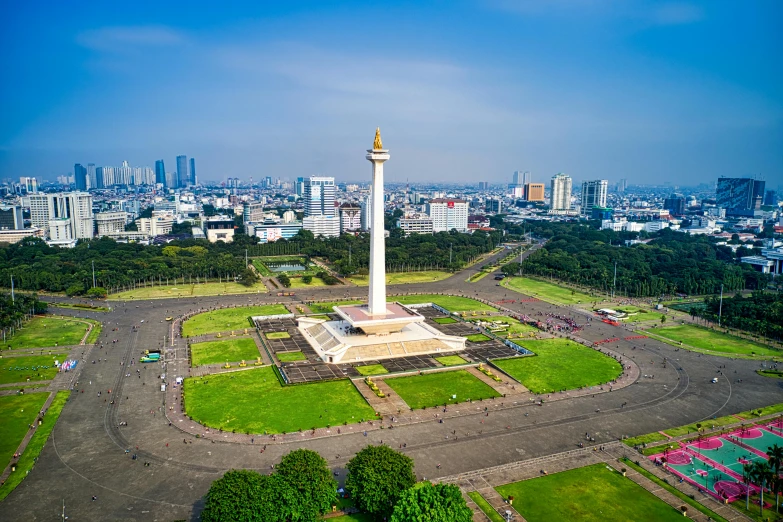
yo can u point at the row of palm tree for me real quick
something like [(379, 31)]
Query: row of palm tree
[(767, 474)]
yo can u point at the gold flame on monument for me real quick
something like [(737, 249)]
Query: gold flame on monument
[(378, 144)]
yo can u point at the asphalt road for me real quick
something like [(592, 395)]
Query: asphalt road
[(86, 454)]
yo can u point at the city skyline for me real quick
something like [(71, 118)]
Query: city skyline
[(639, 91)]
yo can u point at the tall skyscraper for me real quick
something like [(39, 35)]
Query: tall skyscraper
[(740, 196), (80, 177), (522, 178), (593, 194), (123, 175), (448, 214), (193, 178), (318, 196), (160, 173), (560, 198), (300, 187), (770, 198), (182, 172), (91, 176), (11, 218)]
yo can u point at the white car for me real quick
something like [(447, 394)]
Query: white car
[(714, 380)]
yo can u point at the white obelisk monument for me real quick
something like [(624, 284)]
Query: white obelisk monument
[(377, 301)]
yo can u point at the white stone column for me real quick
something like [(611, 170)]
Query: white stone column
[(377, 298)]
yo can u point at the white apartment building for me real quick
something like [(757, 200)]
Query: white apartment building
[(448, 214), (74, 206), (159, 224), (327, 226), (350, 218), (561, 186), (416, 224), (110, 222)]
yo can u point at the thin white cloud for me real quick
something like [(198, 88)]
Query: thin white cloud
[(118, 38), (646, 12)]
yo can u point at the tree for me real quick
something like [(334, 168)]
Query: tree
[(248, 277), (97, 292), (762, 473), (307, 474), (663, 319), (233, 497), (428, 503), (377, 476), (284, 280), (74, 289), (511, 268), (747, 478), (307, 279), (775, 454)]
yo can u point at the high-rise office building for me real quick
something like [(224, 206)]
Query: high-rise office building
[(448, 214), (160, 173), (560, 197), (521, 178), (300, 187), (771, 198), (675, 204), (318, 196), (30, 184), (621, 185), (104, 177), (350, 218), (80, 177), (593, 195), (182, 172), (48, 210), (494, 205), (92, 180), (739, 196), (193, 178), (534, 192), (11, 218)]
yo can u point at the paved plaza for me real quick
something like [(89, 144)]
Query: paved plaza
[(86, 454)]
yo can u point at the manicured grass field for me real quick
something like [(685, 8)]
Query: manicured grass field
[(449, 302), (433, 389), (402, 278), (372, 369), (188, 290), (589, 494), (291, 356), (17, 412), (445, 320), (451, 360), (326, 307), (515, 327), (485, 507), (227, 319), (9, 374), (36, 444), (560, 364), (644, 439), (230, 350), (77, 306), (706, 424), (319, 316), (703, 339), (550, 292), (478, 338), (42, 332), (253, 401), (296, 282), (767, 410), (277, 335)]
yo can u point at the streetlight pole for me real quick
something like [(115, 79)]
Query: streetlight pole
[(93, 274)]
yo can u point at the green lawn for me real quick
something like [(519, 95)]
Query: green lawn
[(228, 319), (319, 316), (36, 444), (290, 356), (17, 412), (515, 328), (451, 360), (230, 350), (48, 331), (78, 306), (770, 373), (433, 389), (188, 290), (768, 410), (705, 424), (402, 278), (19, 369), (703, 339), (486, 507), (560, 364), (589, 494), (478, 338), (277, 335), (445, 320), (449, 302), (550, 292), (644, 439), (253, 401), (372, 369), (326, 307), (296, 282)]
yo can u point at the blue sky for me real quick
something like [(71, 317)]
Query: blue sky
[(463, 91)]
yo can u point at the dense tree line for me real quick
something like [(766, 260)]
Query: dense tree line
[(670, 263), (14, 311), (761, 313), (351, 254)]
